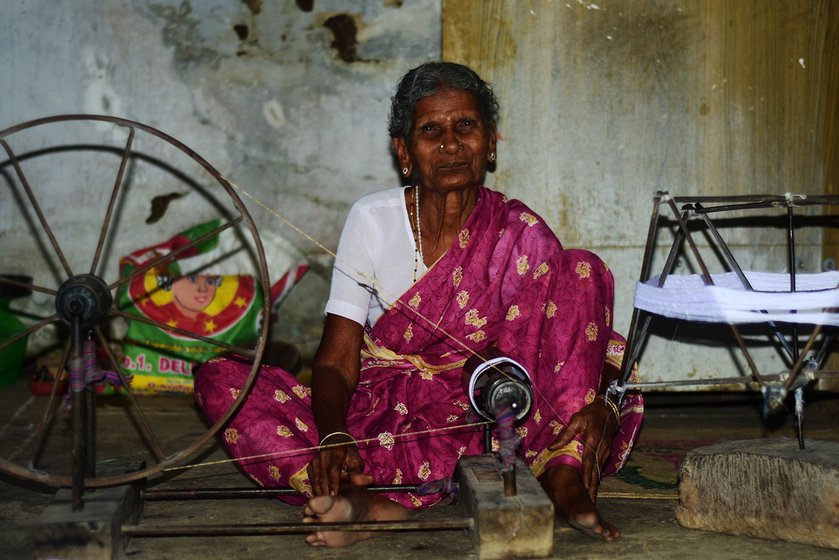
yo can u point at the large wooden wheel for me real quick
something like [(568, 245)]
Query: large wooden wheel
[(75, 258)]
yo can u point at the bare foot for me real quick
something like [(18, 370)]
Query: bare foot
[(573, 503), (351, 504)]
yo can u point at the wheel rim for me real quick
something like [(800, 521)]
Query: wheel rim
[(89, 298)]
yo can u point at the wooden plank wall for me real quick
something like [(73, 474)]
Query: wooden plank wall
[(605, 102)]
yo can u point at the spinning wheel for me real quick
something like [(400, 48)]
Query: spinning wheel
[(77, 284)]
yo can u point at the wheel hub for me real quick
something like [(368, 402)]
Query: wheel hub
[(84, 298)]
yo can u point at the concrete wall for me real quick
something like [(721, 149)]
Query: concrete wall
[(287, 99), (606, 102)]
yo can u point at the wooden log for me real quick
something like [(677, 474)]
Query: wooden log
[(763, 488)]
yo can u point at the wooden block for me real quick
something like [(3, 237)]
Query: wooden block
[(92, 533), (763, 488), (518, 526)]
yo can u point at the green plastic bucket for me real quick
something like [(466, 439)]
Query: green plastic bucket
[(11, 356)]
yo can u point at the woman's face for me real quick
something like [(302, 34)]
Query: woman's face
[(449, 145), (192, 294)]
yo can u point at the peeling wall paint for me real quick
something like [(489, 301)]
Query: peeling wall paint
[(288, 100)]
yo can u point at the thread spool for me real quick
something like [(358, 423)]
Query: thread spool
[(489, 382)]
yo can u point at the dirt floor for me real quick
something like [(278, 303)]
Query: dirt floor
[(641, 500)]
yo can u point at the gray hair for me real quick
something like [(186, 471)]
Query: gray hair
[(428, 79)]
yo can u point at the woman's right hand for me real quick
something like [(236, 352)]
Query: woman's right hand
[(335, 373), (335, 463)]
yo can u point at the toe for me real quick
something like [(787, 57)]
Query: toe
[(319, 505)]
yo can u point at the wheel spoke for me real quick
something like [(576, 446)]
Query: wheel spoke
[(52, 405), (29, 330), (170, 256), (114, 193), (145, 427), (37, 208), (26, 286), (246, 352)]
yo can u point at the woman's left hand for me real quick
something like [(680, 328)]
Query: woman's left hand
[(596, 425)]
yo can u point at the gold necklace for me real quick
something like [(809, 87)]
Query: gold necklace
[(418, 246)]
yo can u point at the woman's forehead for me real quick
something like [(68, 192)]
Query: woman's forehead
[(447, 103)]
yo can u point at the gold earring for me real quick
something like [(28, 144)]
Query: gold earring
[(404, 171), (492, 156)]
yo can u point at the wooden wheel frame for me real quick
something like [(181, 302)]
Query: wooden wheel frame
[(84, 302)]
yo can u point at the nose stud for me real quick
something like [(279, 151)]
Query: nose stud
[(442, 147)]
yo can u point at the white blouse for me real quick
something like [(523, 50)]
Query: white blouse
[(376, 256)]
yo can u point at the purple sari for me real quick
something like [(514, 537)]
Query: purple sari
[(505, 282)]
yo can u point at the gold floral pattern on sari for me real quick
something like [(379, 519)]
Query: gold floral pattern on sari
[(457, 276), (473, 318), (521, 265), (541, 270), (397, 477), (583, 269), (401, 408), (550, 309), (463, 238), (281, 396), (284, 431), (424, 471), (234, 392), (452, 418), (409, 333), (386, 440), (301, 425), (537, 416), (608, 315), (513, 313), (231, 435), (302, 391), (463, 299), (558, 366), (415, 301), (528, 218), (521, 431), (274, 472), (591, 332), (477, 336)]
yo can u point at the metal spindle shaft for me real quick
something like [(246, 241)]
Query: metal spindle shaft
[(292, 528)]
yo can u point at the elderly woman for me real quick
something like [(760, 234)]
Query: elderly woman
[(425, 277)]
